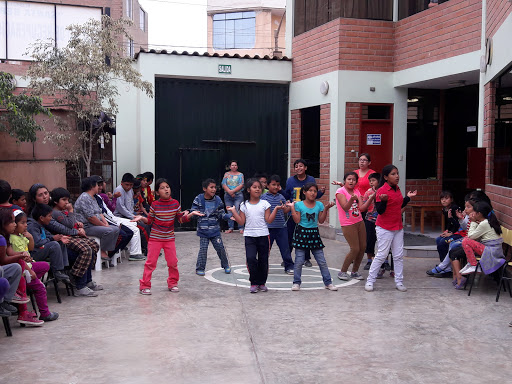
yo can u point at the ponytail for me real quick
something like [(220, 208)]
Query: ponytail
[(486, 211)]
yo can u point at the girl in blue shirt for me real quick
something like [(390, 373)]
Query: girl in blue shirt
[(307, 214)]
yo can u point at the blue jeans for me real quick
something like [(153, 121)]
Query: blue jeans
[(280, 235), (443, 245), (300, 255), (218, 245), (234, 201)]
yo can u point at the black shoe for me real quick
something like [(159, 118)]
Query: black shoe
[(8, 307), (51, 317), (307, 263), (386, 266), (368, 265), (61, 276), (282, 264), (4, 312), (444, 274)]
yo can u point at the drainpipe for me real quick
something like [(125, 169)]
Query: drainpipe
[(277, 52), (395, 10), (481, 89)]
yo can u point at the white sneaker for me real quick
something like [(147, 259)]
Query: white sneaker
[(331, 287), (464, 269), (368, 287), (295, 287), (467, 271), (401, 287)]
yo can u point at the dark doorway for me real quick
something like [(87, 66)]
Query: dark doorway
[(460, 133), (310, 139), (201, 125)]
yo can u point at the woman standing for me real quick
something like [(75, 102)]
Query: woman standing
[(363, 173), (233, 183)]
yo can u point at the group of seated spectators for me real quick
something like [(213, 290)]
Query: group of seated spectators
[(42, 232)]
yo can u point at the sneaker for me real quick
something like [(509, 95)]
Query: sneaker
[(8, 307), (386, 266), (60, 275), (227, 270), (254, 289), (4, 312), (368, 287), (51, 317), (433, 271), (468, 269), (296, 287), (401, 287), (343, 276), (289, 272), (357, 276), (174, 289), (331, 287), (95, 286), (368, 265), (145, 291), (86, 292), (307, 263), (137, 258), (380, 274), (28, 318), (200, 272), (262, 288), (18, 299)]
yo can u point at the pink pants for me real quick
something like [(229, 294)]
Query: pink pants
[(40, 268), (154, 247), (472, 247)]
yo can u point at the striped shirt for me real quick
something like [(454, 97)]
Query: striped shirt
[(275, 200), (162, 216)]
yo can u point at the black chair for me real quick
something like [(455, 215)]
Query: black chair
[(7, 325), (504, 279)]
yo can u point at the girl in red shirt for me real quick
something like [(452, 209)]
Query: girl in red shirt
[(390, 230)]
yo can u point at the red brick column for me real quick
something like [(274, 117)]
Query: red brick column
[(352, 126), (295, 137), (490, 111)]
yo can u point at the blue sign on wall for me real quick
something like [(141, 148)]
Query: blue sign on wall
[(373, 139)]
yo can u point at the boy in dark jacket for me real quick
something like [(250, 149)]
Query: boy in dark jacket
[(208, 229)]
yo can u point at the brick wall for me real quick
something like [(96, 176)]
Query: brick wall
[(295, 137), (366, 45), (450, 29), (352, 126), (501, 199), (497, 12)]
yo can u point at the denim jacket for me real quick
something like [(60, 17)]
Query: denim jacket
[(208, 225)]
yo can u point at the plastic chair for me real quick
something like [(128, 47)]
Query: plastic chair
[(504, 280)]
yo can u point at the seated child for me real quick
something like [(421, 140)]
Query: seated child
[(19, 198), (7, 256), (211, 210), (47, 245), (5, 194), (85, 248), (21, 241)]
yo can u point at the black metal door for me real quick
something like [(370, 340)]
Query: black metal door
[(213, 122)]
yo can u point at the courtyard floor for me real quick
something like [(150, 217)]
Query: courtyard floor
[(215, 331)]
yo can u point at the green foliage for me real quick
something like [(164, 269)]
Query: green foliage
[(18, 111), (81, 79)]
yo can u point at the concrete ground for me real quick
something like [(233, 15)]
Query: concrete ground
[(212, 332)]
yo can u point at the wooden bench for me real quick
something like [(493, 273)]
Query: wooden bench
[(426, 207)]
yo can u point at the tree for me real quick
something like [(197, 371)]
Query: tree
[(18, 111), (82, 77)]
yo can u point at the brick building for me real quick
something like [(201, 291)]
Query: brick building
[(20, 24), (423, 85)]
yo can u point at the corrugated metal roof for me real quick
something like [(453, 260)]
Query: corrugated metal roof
[(206, 54)]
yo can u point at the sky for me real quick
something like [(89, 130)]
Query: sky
[(176, 24)]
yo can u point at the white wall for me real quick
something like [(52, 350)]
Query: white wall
[(136, 117), (501, 50), (353, 86)]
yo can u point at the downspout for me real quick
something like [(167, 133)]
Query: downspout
[(277, 52), (481, 88)]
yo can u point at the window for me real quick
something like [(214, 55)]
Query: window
[(310, 14), (129, 9), (235, 30), (422, 127), (503, 132), (408, 8), (142, 19), (130, 51)]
